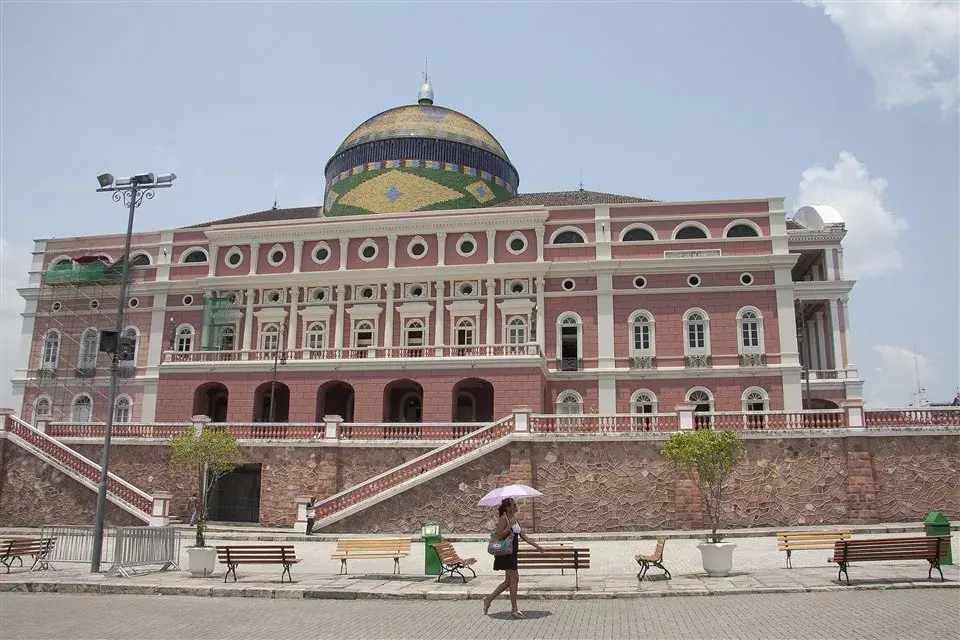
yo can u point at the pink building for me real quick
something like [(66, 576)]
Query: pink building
[(426, 289)]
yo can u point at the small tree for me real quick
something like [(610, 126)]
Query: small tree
[(710, 456), (212, 450)]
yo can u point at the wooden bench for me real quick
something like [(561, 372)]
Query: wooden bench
[(233, 555), (928, 548), (562, 558), (452, 562), (18, 548), (655, 560), (369, 549), (791, 541)]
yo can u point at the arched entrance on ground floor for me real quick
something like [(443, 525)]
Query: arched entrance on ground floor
[(263, 398), (472, 401), (403, 402), (335, 398), (211, 400), (236, 495), (820, 403)]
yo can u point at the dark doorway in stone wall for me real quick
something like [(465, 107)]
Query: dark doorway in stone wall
[(236, 497), (335, 399), (211, 399)]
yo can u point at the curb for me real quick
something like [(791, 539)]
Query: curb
[(339, 594)]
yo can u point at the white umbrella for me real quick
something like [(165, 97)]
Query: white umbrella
[(495, 497)]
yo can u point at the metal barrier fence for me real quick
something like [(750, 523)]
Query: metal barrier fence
[(73, 544), (143, 546)]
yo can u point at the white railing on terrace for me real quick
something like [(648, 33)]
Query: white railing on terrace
[(357, 353), (595, 423), (827, 375), (912, 417), (406, 430), (119, 429), (809, 419)]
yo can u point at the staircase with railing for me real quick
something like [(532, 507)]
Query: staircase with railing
[(80, 468), (414, 472)]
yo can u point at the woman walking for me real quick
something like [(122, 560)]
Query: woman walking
[(507, 525)]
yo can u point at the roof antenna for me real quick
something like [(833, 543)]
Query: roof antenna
[(425, 97), (581, 178), (276, 197)]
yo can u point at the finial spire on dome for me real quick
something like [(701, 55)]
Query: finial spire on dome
[(426, 89)]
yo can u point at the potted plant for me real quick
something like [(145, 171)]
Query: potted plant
[(210, 452), (710, 456)]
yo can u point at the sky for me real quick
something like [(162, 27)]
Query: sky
[(849, 104)]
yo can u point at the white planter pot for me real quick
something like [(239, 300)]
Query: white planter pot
[(201, 561), (717, 558)]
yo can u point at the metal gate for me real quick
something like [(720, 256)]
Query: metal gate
[(236, 496)]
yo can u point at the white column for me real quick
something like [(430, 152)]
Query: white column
[(391, 251), (847, 334), (212, 264), (294, 320), (491, 310), (438, 329), (840, 263), (602, 232), (254, 257), (441, 247), (148, 406), (821, 343), (344, 246), (297, 255), (388, 320), (835, 332), (831, 266), (164, 256), (28, 327), (248, 322), (605, 339), (607, 392), (540, 232), (491, 244), (338, 332), (541, 317), (155, 341), (786, 318)]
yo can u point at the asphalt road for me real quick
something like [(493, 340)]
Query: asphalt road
[(924, 614)]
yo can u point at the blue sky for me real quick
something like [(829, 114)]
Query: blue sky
[(853, 104)]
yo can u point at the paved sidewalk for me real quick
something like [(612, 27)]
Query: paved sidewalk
[(758, 568)]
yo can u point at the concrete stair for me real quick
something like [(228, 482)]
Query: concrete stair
[(82, 469), (414, 472)]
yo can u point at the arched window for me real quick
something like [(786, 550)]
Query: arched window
[(270, 337), (750, 336), (691, 231), (194, 255), (466, 407), (569, 403), (755, 400), (703, 399), (315, 337), (81, 412), (63, 263), (517, 330), (568, 236), (42, 407), (89, 347), (464, 336), (414, 337), (141, 259), (51, 350), (363, 336), (642, 334), (696, 332), (184, 338), (638, 234), (228, 339), (123, 409), (643, 401), (742, 229), (128, 346), (569, 342)]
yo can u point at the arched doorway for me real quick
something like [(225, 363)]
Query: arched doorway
[(211, 400), (473, 401), (335, 399), (262, 401), (403, 402), (820, 403)]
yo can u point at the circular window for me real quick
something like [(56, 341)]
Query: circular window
[(319, 295), (416, 291), (273, 296), (417, 248), (746, 279), (517, 287), (466, 289), (232, 298), (466, 246), (234, 258), (321, 253), (277, 256), (693, 280), (133, 303), (94, 304), (57, 305), (639, 282), (516, 244), (569, 284), (187, 300), (366, 293), (368, 250)]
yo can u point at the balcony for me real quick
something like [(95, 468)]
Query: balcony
[(85, 370), (569, 364), (753, 359), (829, 375), (698, 362), (48, 372), (639, 363), (528, 350)]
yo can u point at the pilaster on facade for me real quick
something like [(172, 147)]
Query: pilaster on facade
[(293, 321), (605, 334), (540, 231), (491, 245), (438, 328), (344, 246), (541, 338), (786, 318), (835, 334), (388, 319), (164, 256), (847, 333), (338, 330), (778, 225), (391, 251), (248, 323), (441, 248), (602, 232), (212, 252), (607, 394), (254, 257), (297, 255), (491, 311)]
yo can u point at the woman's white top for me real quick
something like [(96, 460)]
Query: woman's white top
[(516, 527)]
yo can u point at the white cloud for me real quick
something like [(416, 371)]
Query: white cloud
[(870, 248), (909, 48), (14, 265), (894, 382)]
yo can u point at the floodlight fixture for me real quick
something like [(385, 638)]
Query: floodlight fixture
[(105, 180), (123, 182), (166, 178), (144, 178)]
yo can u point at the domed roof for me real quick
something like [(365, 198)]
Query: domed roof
[(423, 121)]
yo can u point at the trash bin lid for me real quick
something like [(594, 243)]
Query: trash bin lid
[(431, 529), (935, 517)]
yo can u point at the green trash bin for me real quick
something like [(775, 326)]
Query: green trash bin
[(430, 533), (936, 524)]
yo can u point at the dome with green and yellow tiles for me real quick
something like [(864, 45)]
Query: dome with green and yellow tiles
[(419, 157)]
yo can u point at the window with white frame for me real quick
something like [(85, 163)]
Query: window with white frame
[(568, 236), (643, 401), (751, 330), (128, 348), (228, 339), (123, 409), (270, 337), (89, 346), (641, 333), (517, 330), (755, 399), (81, 412), (464, 334), (569, 341), (184, 338), (314, 338), (569, 403), (696, 331), (363, 334), (42, 407), (414, 334), (51, 350), (702, 399)]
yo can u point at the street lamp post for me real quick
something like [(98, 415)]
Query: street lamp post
[(804, 351), (131, 191), (279, 357)]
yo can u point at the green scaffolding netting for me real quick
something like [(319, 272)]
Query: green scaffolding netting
[(217, 329), (79, 274)]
